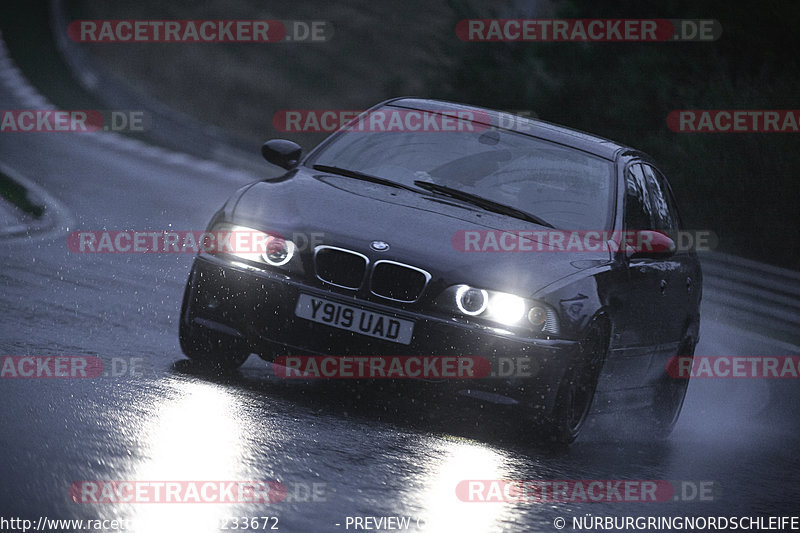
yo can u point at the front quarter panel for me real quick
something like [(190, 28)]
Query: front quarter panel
[(577, 298)]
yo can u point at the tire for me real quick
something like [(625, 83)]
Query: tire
[(577, 387), (668, 397)]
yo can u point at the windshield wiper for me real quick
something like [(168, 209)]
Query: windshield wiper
[(362, 176), (482, 202), (457, 194)]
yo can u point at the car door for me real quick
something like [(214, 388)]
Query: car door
[(677, 275), (644, 297)]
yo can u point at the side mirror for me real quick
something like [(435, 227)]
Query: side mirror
[(649, 243), (285, 154)]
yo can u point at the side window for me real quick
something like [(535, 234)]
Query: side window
[(638, 215), (663, 209)]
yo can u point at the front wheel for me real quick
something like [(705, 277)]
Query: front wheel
[(577, 388)]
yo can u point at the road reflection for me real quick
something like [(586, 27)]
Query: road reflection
[(460, 460), (196, 434)]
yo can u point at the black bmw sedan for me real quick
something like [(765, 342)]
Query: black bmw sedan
[(425, 229)]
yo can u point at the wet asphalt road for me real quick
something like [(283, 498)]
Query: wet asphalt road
[(368, 454)]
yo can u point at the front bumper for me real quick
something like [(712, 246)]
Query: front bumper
[(256, 308)]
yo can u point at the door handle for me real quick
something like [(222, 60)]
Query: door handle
[(663, 286)]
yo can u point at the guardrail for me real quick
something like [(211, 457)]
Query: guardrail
[(175, 130), (752, 293)]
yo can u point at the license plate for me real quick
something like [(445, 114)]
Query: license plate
[(354, 319)]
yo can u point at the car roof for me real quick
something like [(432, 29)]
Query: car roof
[(586, 142)]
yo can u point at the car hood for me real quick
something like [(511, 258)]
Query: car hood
[(422, 230)]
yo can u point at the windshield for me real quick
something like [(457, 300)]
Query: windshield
[(566, 187)]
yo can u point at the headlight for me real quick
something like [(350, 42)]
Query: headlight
[(254, 246), (499, 307), (506, 308), (471, 301), (278, 251)]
